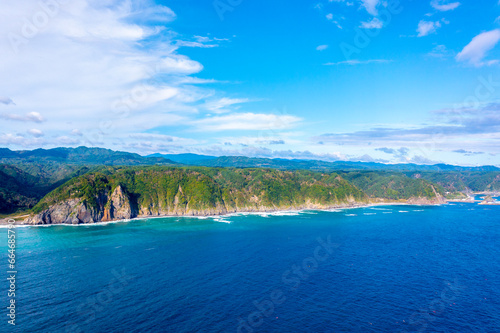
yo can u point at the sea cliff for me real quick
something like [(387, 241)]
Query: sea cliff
[(116, 193)]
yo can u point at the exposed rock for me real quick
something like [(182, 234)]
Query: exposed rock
[(69, 211), (120, 206), (488, 200)]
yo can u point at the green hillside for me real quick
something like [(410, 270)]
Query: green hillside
[(199, 188), (80, 156), (391, 185), (22, 186), (462, 181)]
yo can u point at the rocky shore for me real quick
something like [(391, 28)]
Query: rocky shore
[(119, 207)]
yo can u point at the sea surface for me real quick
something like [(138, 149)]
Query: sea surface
[(372, 269)]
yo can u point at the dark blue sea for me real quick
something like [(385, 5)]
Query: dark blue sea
[(374, 269)]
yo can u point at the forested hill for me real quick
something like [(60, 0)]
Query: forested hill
[(315, 165), (22, 186), (100, 156), (148, 191), (27, 176), (79, 156), (125, 192)]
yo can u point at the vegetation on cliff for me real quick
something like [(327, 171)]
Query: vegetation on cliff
[(475, 181), (33, 174), (22, 186), (156, 189), (391, 185)]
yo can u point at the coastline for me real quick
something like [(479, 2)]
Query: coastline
[(275, 212)]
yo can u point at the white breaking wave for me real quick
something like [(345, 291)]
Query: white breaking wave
[(221, 220)]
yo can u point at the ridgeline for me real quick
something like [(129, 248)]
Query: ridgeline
[(86, 185)]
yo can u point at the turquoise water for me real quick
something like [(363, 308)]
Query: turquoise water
[(374, 269)]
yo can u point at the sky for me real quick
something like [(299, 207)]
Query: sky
[(359, 80)]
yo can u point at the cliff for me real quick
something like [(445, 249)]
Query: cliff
[(116, 193), (128, 192)]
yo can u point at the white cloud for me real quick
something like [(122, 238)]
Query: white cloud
[(179, 65), (220, 105), (440, 51), (67, 141), (477, 49), (29, 117), (76, 132), (336, 22), (95, 70), (427, 27), (444, 5), (375, 23), (347, 3), (152, 137), (7, 139), (35, 132), (195, 44), (321, 47), (247, 121), (202, 42), (371, 6)]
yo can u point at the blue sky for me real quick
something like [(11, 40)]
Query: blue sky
[(369, 80)]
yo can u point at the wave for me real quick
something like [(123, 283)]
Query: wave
[(222, 220)]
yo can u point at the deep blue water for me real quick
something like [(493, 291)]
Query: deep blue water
[(380, 269)]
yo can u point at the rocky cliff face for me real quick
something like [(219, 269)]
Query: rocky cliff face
[(76, 211), (437, 200), (120, 205), (72, 211), (425, 201)]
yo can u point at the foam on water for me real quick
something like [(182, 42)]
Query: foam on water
[(190, 275)]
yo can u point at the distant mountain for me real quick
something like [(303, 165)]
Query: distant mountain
[(295, 164), (80, 156), (101, 156)]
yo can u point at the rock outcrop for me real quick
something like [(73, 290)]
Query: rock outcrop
[(128, 193), (71, 211), (76, 211), (119, 206)]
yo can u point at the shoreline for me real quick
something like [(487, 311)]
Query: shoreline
[(3, 223)]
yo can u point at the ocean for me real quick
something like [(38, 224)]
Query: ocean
[(373, 269)]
